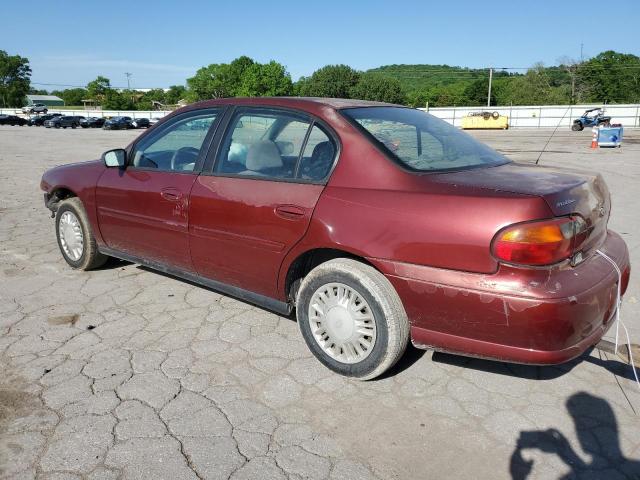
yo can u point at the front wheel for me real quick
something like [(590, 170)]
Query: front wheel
[(576, 127), (352, 318), (75, 238)]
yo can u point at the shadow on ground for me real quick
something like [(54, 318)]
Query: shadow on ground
[(534, 372), (597, 431)]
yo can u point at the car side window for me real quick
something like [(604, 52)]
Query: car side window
[(318, 156), (177, 146), (263, 144)]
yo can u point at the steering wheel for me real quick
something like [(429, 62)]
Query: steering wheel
[(190, 154)]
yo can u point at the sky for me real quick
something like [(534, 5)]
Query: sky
[(162, 43)]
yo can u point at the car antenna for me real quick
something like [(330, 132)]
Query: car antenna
[(552, 134)]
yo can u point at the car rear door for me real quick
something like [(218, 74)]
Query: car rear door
[(143, 209), (251, 207)]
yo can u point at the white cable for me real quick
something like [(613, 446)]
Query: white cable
[(618, 320), (618, 297)]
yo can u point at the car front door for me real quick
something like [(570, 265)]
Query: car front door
[(257, 200), (143, 208)]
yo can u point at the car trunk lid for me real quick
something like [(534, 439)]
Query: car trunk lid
[(566, 192)]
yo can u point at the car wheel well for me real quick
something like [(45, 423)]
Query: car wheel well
[(309, 260), (58, 195)]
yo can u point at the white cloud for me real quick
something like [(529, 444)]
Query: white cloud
[(84, 61)]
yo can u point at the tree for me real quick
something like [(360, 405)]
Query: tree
[(377, 87), (114, 100), (146, 101), (15, 75), (71, 96), (268, 79), (99, 88), (478, 90), (218, 80), (611, 77), (330, 81), (175, 94), (532, 88)]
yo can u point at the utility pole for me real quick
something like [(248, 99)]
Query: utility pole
[(581, 52), (128, 74), (489, 94)]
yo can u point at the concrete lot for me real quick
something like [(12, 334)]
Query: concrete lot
[(126, 373)]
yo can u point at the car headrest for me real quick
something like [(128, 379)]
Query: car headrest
[(322, 152), (263, 154)]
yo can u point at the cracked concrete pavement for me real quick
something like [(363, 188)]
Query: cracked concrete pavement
[(124, 373)]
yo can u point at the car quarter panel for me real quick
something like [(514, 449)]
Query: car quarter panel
[(517, 314)]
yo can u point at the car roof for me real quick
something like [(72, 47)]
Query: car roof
[(296, 102)]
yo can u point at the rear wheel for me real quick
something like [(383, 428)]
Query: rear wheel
[(75, 238), (352, 318), (576, 127)]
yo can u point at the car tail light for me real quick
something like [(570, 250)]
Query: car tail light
[(542, 242)]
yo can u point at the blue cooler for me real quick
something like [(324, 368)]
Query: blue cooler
[(610, 136)]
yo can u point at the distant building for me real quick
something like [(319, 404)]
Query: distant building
[(49, 100)]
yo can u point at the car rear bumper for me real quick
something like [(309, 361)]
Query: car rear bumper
[(523, 315)]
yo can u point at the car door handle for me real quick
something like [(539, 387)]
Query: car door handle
[(170, 194), (290, 212)]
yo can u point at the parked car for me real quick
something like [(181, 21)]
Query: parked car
[(13, 120), (117, 123), (153, 121), (35, 108), (140, 123), (92, 122), (64, 122), (40, 119), (295, 203)]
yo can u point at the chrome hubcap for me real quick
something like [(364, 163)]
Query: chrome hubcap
[(342, 323), (71, 238)]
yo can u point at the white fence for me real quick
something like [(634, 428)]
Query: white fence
[(94, 113), (542, 116), (519, 117)]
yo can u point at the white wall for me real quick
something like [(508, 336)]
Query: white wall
[(94, 113), (543, 116), (519, 117)]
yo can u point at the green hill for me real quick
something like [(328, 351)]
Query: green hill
[(424, 77)]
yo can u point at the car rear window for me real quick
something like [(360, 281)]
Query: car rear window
[(421, 142)]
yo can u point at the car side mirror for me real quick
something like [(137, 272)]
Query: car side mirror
[(115, 158)]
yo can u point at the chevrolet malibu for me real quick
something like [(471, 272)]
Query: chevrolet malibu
[(378, 224)]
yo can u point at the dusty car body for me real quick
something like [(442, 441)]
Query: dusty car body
[(452, 245)]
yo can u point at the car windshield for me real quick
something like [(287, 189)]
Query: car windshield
[(422, 142)]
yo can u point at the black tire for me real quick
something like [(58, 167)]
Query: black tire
[(91, 257), (577, 127), (73, 125), (392, 325), (57, 125)]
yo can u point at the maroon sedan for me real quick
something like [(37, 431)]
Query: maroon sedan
[(377, 223)]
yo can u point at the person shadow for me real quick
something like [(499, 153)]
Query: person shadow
[(597, 431)]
